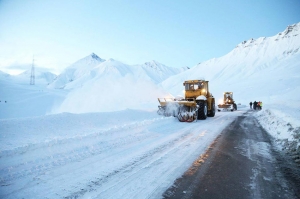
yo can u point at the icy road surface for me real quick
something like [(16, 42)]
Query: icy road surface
[(243, 162), (126, 154)]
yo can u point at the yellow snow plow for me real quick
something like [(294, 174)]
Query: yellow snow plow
[(198, 103), (228, 102)]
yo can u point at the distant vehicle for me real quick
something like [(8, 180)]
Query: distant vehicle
[(228, 103), (198, 103)]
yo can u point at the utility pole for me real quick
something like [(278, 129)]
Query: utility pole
[(32, 76)]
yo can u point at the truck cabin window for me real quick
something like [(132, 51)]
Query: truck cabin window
[(195, 86)]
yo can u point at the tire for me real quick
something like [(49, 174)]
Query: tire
[(202, 111), (212, 112)]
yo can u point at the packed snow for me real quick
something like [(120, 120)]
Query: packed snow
[(123, 154), (93, 131)]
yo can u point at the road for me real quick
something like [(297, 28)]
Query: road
[(241, 163), (126, 154), (137, 154)]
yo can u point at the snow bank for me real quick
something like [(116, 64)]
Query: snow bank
[(25, 133), (283, 124)]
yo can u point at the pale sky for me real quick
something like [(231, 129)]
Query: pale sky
[(173, 32)]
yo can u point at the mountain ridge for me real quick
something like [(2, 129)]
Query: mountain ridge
[(93, 66)]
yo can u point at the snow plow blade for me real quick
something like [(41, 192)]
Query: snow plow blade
[(166, 101), (225, 107), (184, 110)]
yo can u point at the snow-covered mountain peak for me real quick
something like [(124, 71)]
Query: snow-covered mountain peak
[(90, 60), (96, 57), (77, 70), (291, 30), (153, 64)]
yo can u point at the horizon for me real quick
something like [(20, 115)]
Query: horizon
[(176, 34)]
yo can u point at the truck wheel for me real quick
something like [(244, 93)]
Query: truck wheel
[(213, 109), (202, 111)]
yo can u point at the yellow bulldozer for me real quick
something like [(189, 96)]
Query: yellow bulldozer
[(228, 103), (198, 103)]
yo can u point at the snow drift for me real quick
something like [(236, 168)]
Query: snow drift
[(112, 85)]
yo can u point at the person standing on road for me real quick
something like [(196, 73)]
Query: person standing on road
[(260, 105), (254, 105), (250, 105)]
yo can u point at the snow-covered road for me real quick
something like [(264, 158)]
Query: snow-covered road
[(136, 154)]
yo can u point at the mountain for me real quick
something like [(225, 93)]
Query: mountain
[(247, 71), (76, 70), (250, 67), (92, 67)]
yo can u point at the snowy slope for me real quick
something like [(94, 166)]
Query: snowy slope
[(251, 68), (19, 99)]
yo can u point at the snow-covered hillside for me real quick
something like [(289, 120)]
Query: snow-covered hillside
[(19, 99), (264, 69)]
